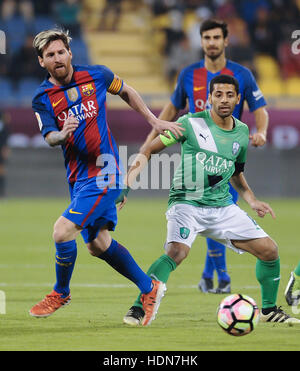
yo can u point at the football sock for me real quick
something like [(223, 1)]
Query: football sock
[(215, 260), (297, 270), (268, 275), (118, 257), (297, 278), (160, 271), (65, 257), (209, 267)]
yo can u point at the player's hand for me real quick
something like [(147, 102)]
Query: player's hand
[(162, 127), (122, 198), (262, 208), (70, 125), (258, 139)]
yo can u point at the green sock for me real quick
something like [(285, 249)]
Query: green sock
[(268, 275), (160, 270), (297, 270), (297, 278)]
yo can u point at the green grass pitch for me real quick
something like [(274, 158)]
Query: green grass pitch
[(186, 319)]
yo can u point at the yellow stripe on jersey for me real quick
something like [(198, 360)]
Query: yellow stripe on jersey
[(115, 85)]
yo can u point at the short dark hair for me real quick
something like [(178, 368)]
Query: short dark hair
[(210, 24), (224, 79)]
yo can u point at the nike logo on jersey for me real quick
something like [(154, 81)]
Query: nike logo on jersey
[(197, 88), (74, 212), (54, 104)]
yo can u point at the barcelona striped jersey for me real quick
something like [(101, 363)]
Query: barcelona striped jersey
[(85, 98), (193, 85)]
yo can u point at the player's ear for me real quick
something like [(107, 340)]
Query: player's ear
[(41, 62), (238, 99), (209, 99), (226, 42)]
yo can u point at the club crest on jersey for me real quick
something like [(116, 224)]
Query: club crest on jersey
[(72, 94), (87, 90), (235, 148)]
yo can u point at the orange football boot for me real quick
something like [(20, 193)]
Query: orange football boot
[(151, 301), (49, 305)]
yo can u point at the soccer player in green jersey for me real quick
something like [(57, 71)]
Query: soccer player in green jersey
[(292, 291), (213, 150)]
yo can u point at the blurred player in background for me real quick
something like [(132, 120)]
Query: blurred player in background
[(292, 291), (192, 87), (71, 112), (200, 202)]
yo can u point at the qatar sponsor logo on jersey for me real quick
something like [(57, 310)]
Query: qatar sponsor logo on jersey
[(214, 164), (81, 111)]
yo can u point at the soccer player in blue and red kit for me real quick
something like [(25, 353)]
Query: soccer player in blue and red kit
[(193, 88), (70, 109)]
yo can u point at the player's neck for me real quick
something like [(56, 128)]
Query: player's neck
[(225, 123), (215, 65)]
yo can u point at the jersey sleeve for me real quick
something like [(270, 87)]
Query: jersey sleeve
[(179, 96), (242, 156), (113, 83), (45, 118), (253, 94)]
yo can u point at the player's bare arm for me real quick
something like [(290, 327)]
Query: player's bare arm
[(134, 100), (262, 121), (139, 163), (168, 113), (55, 138), (240, 184)]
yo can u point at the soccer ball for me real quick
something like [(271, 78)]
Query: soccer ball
[(238, 314)]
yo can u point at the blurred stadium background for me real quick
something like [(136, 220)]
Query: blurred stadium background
[(146, 42)]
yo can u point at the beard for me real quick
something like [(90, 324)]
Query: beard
[(60, 72), (224, 113), (213, 54)]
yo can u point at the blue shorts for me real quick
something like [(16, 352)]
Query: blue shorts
[(91, 208)]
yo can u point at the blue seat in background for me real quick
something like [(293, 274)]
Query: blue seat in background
[(7, 92), (26, 89), (15, 29), (42, 23), (79, 51)]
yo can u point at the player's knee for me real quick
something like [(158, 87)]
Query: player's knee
[(60, 234), (270, 250), (96, 247), (177, 251)]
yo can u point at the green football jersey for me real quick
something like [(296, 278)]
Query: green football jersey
[(209, 156)]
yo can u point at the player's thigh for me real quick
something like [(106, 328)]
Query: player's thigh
[(182, 226), (263, 248)]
